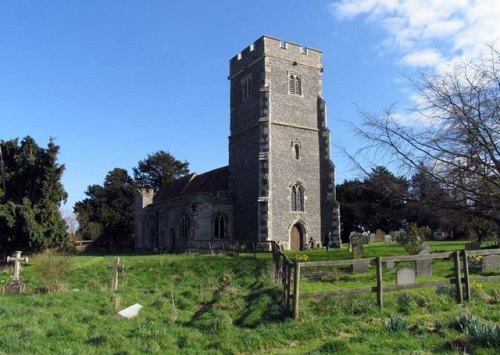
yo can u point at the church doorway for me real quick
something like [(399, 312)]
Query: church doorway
[(296, 237)]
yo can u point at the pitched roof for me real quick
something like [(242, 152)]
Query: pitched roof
[(209, 182)]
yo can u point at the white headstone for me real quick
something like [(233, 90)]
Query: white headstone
[(129, 312), (405, 276)]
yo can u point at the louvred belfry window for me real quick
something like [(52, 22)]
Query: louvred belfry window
[(294, 84)]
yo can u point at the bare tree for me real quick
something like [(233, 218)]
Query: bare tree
[(457, 139)]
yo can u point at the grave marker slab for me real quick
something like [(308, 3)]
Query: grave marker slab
[(473, 246), (357, 246), (389, 264), (373, 237), (387, 239), (424, 267), (129, 312), (405, 276), (491, 262), (379, 235), (360, 267), (365, 238)]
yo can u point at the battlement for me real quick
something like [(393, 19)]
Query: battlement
[(276, 48)]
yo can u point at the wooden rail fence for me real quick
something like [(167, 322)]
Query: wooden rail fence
[(287, 272)]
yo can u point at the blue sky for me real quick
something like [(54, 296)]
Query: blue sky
[(115, 80)]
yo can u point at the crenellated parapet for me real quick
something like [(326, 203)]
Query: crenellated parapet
[(276, 48)]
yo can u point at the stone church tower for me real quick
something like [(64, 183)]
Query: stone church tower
[(279, 185), (281, 175)]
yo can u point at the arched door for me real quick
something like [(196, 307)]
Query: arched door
[(296, 237)]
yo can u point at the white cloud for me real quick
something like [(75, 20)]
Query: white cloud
[(423, 58), (428, 32)]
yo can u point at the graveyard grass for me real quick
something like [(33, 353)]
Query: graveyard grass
[(224, 304)]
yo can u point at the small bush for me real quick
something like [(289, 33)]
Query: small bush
[(443, 290), (480, 333), (466, 321), (405, 302), (413, 238), (396, 323), (52, 270)]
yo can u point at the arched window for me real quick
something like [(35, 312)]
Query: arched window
[(220, 227), (294, 84), (297, 197), (184, 227)]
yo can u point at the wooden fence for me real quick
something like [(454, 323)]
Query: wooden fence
[(224, 247), (288, 272)]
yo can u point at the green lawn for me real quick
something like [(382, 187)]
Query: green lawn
[(222, 305)]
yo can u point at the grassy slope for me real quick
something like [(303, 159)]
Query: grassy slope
[(219, 304)]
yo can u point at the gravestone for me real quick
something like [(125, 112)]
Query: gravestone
[(405, 276), (491, 262), (357, 246), (473, 246), (360, 267), (424, 267), (373, 237), (365, 238), (16, 285), (389, 264), (129, 312), (379, 235), (387, 239)]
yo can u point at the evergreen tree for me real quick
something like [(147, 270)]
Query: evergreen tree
[(30, 196), (159, 168), (106, 214)]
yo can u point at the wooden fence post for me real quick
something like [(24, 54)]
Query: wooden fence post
[(296, 278), (380, 290), (458, 278), (289, 267), (466, 275)]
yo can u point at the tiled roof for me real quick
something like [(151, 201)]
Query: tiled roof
[(209, 182)]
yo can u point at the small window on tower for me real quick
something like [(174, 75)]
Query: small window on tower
[(294, 84), (246, 83), (296, 147)]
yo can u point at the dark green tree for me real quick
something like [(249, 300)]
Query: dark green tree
[(159, 168), (106, 214), (378, 201), (31, 194)]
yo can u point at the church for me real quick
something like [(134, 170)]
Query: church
[(280, 182)]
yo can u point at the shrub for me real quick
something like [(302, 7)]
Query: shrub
[(52, 270), (443, 290), (405, 302), (396, 323), (479, 333), (413, 238)]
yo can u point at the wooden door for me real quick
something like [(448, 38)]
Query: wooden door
[(296, 238)]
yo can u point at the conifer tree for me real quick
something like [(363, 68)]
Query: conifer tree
[(30, 196)]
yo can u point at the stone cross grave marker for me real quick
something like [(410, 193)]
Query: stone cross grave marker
[(17, 259), (16, 285), (116, 269), (424, 267), (405, 276), (491, 262)]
